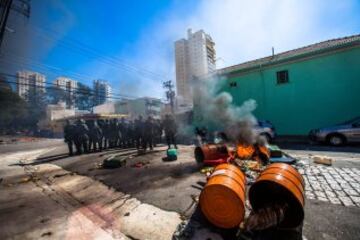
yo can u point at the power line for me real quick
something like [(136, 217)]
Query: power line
[(90, 52)]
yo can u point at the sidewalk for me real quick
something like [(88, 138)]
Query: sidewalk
[(47, 201)]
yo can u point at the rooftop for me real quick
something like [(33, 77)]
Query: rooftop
[(312, 49)]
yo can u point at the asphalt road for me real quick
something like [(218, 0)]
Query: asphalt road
[(174, 185)]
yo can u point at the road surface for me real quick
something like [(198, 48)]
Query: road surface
[(168, 189)]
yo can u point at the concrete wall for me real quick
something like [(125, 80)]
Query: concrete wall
[(322, 90)]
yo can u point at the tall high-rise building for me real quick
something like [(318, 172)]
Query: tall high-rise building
[(194, 58), (30, 83), (102, 91), (69, 86)]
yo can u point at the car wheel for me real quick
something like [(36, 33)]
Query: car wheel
[(336, 140)]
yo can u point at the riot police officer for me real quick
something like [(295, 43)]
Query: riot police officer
[(81, 136), (123, 133), (95, 136), (148, 133), (106, 133), (69, 135), (170, 128), (138, 131)]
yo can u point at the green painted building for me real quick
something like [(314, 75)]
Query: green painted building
[(302, 89)]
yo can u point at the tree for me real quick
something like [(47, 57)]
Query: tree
[(36, 107), (84, 99), (13, 111), (56, 94)]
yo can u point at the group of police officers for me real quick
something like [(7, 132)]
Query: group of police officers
[(96, 135)]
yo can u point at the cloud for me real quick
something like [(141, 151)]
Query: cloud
[(242, 30)]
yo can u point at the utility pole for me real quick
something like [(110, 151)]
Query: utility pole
[(170, 94), (20, 6), (5, 5)]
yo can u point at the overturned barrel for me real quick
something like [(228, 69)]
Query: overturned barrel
[(280, 185), (222, 200), (211, 152)]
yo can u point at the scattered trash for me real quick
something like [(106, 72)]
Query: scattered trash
[(206, 170), (114, 162), (61, 175), (127, 214), (140, 164), (172, 154), (283, 159), (46, 234), (323, 160), (275, 151), (44, 220)]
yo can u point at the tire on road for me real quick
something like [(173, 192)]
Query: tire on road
[(336, 139)]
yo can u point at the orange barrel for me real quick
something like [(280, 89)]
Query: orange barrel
[(280, 183), (222, 200), (211, 152)]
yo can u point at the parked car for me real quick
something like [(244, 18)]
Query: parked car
[(266, 129), (340, 134)]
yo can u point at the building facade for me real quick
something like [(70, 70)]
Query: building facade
[(102, 91), (30, 83), (144, 106), (302, 89), (194, 57), (69, 86)]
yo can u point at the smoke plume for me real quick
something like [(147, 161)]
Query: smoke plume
[(216, 110)]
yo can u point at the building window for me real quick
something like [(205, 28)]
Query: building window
[(282, 77), (233, 84)]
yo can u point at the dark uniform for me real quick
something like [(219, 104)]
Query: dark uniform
[(106, 133), (69, 135), (170, 129), (130, 131), (148, 133), (113, 133), (158, 132), (81, 136), (96, 136), (123, 133), (138, 131)]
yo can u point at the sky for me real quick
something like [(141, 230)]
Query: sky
[(131, 43)]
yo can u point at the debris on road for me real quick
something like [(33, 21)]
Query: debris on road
[(140, 164), (324, 160), (114, 162), (171, 155), (206, 170)]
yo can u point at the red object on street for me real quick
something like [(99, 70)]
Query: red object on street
[(215, 162)]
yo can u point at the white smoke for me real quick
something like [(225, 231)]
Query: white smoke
[(216, 110)]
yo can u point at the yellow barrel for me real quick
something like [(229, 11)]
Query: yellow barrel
[(222, 200)]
